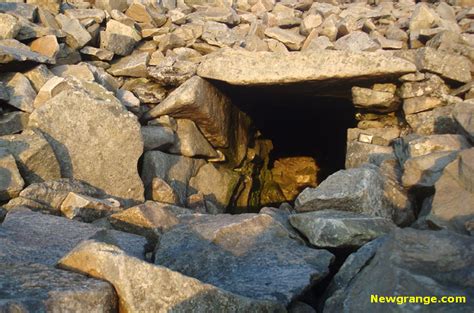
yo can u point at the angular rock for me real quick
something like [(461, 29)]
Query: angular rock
[(453, 202), (420, 104), (162, 192), (20, 92), (466, 169), (432, 86), (419, 146), (134, 65), (79, 71), (87, 209), (9, 26), (76, 35), (47, 45), (339, 229), (440, 266), (13, 122), (379, 136), (150, 219), (202, 103), (436, 121), (119, 38), (356, 41), (34, 156), (217, 184), (157, 137), (264, 68), (190, 142), (49, 195), (172, 72), (51, 88), (31, 287), (374, 100), (28, 236), (291, 39), (218, 34), (109, 5), (92, 148), (175, 170), (97, 54), (11, 182), (359, 153), (463, 114), (19, 9), (424, 171), (252, 255), (84, 14), (358, 190), (449, 66), (38, 76), (12, 50), (170, 291)]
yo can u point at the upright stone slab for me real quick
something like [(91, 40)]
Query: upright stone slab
[(95, 140)]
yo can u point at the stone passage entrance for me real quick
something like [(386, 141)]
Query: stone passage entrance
[(300, 125)]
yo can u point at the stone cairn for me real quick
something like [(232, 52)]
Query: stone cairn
[(122, 157)]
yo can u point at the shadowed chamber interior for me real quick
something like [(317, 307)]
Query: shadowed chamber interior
[(299, 125)]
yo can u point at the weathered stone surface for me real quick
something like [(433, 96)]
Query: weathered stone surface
[(264, 68), (173, 169), (79, 71), (380, 136), (11, 182), (87, 209), (293, 174), (466, 169), (18, 9), (170, 291), (202, 103), (433, 85), (450, 66), (40, 238), (49, 195), (424, 171), (420, 104), (357, 190), (356, 41), (162, 192), (436, 121), (359, 153), (38, 76), (217, 184), (13, 50), (47, 45), (51, 88), (34, 156), (338, 229), (109, 5), (104, 156), (289, 38), (76, 35), (20, 92), (30, 287), (146, 90), (149, 219), (119, 38), (453, 202), (409, 262), (190, 141), (134, 65), (418, 146), (13, 122), (252, 255), (463, 114), (157, 137), (374, 100), (172, 71), (9, 26), (97, 54)]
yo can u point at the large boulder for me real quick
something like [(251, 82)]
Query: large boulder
[(27, 236), (453, 202), (356, 190), (339, 229), (201, 102), (30, 287), (252, 255), (407, 264), (95, 140), (11, 182), (239, 67), (144, 287)]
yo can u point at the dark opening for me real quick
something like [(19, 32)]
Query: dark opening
[(300, 125)]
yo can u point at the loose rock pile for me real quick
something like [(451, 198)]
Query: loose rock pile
[(122, 155)]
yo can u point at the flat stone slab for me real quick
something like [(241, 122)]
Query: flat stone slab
[(246, 68), (29, 287), (27, 236), (252, 255)]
